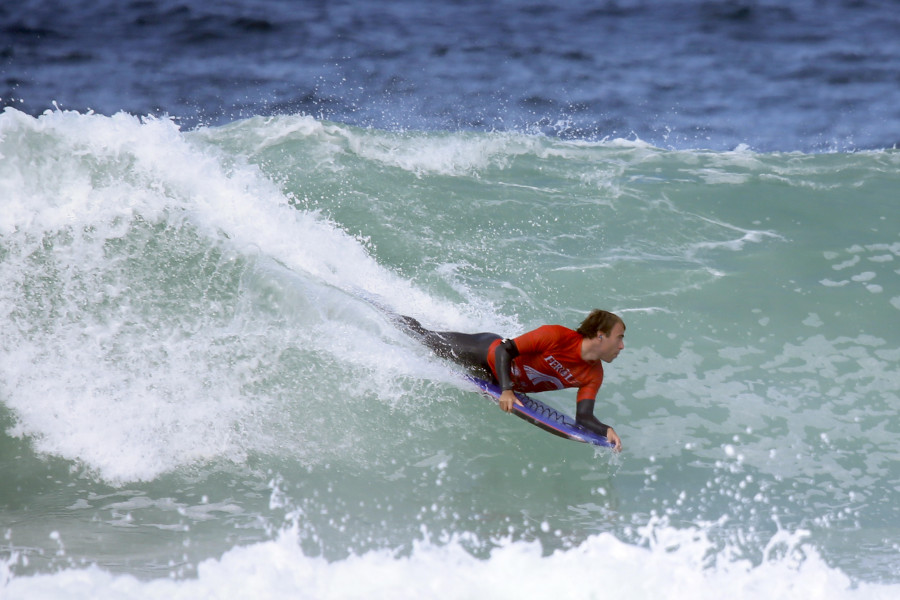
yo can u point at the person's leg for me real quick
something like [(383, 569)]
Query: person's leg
[(467, 349)]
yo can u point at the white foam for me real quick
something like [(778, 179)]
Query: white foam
[(813, 320), (735, 244), (671, 564), (166, 171), (456, 155), (129, 395), (831, 283), (847, 263)]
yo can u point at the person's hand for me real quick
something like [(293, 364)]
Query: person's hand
[(507, 398), (613, 437)]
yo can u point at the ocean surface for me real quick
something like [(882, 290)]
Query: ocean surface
[(199, 202)]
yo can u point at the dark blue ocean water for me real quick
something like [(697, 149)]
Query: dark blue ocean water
[(809, 75)]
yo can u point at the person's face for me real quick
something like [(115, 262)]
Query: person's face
[(605, 347)]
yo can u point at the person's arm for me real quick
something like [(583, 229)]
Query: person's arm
[(503, 357), (584, 416)]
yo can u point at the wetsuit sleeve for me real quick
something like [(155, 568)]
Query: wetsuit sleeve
[(584, 416), (503, 357)]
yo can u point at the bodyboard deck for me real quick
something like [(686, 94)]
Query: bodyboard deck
[(545, 417)]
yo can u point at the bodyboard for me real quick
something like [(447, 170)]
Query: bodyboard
[(545, 417)]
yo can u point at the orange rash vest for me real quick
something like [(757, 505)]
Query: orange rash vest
[(550, 359)]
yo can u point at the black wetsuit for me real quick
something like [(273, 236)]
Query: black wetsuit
[(467, 349)]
